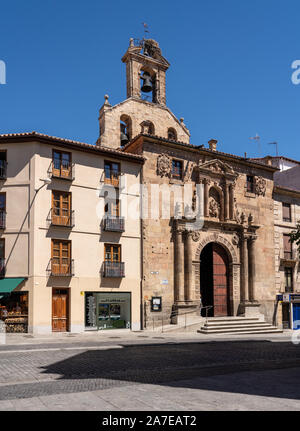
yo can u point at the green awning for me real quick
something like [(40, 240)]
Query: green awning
[(7, 285)]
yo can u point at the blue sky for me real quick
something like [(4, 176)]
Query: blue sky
[(230, 74)]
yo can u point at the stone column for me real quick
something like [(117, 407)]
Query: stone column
[(206, 183), (251, 256), (227, 202), (244, 270), (231, 201), (179, 266), (188, 267)]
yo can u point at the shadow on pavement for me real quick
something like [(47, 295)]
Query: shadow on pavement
[(171, 363)]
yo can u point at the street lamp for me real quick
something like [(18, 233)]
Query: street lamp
[(46, 182)]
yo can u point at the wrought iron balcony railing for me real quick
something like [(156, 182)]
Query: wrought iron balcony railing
[(3, 170), (114, 269), (2, 219), (2, 266), (64, 170), (114, 224), (59, 217), (60, 267)]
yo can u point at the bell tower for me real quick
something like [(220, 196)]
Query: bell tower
[(144, 111), (146, 71)]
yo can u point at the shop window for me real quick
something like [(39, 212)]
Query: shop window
[(177, 169), (111, 173), (14, 311), (107, 310), (287, 247), (250, 183), (286, 212), (288, 279)]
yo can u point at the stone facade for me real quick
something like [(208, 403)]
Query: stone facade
[(243, 225), (239, 221)]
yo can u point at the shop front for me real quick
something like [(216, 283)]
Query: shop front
[(107, 310), (290, 303), (13, 305)]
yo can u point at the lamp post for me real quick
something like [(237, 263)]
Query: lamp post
[(46, 182)]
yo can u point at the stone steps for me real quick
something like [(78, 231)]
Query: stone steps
[(237, 325)]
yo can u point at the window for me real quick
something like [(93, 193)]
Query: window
[(148, 128), (288, 279), (62, 166), (111, 173), (177, 169), (61, 257), (112, 208), (3, 165), (112, 220), (286, 212), (287, 247), (250, 183), (2, 257), (112, 253), (172, 135), (113, 267), (2, 210), (61, 208)]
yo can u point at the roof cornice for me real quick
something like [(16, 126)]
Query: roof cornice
[(201, 150), (69, 144)]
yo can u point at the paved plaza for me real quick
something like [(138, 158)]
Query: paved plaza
[(149, 371)]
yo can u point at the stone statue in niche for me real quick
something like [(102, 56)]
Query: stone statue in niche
[(260, 186), (214, 208), (163, 165)]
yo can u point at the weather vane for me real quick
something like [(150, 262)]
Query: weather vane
[(146, 29)]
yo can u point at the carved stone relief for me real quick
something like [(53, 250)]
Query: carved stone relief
[(163, 165)]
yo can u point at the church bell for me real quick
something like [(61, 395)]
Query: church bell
[(124, 137), (147, 84)]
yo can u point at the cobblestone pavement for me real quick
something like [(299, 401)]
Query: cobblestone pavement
[(86, 371)]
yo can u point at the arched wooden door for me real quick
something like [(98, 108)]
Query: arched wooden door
[(214, 270), (220, 281)]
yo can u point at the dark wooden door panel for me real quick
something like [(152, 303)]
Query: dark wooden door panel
[(59, 312), (220, 281)]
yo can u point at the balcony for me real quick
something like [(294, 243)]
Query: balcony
[(114, 224), (114, 269), (288, 258), (64, 170), (59, 217), (2, 219), (2, 267), (3, 170), (60, 267)]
